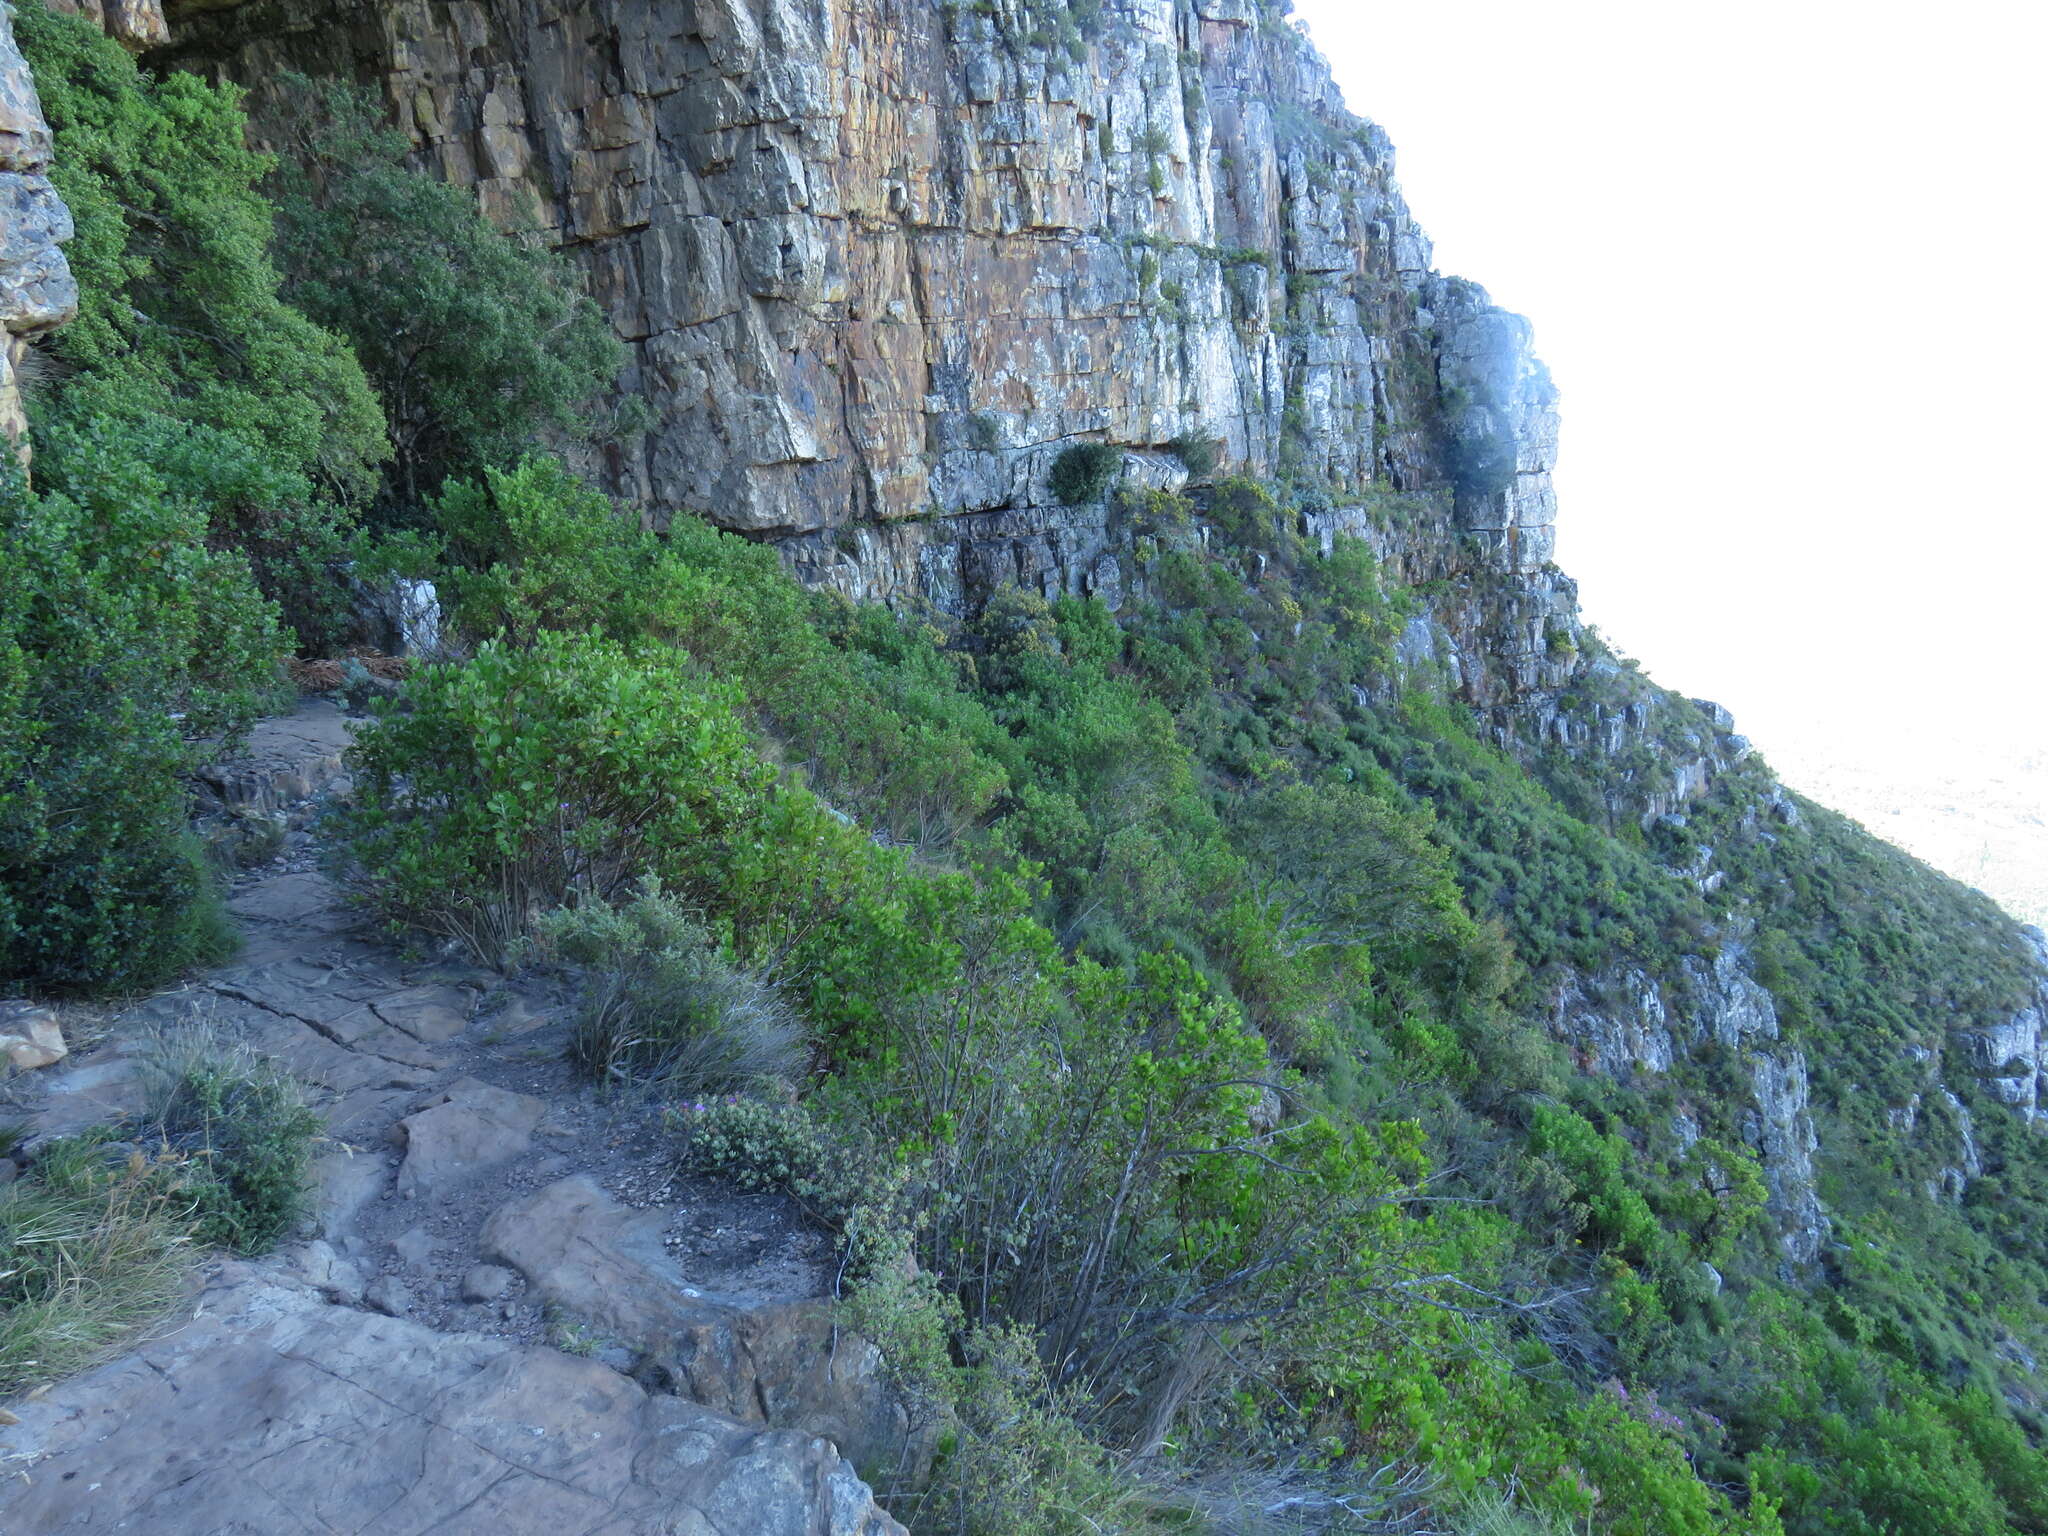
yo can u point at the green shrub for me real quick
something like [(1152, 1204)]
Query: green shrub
[(1084, 473), (477, 342), (984, 433), (258, 416), (123, 636), (660, 1004), (524, 780), (533, 548), (179, 311), (1198, 454), (235, 1133)]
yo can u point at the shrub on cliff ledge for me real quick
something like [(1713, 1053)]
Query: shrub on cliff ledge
[(1085, 472), (525, 780)]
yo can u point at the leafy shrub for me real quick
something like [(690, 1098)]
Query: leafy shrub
[(236, 1133), (533, 548), (477, 342), (660, 1004), (524, 780), (260, 417), (1198, 454), (1335, 866), (123, 633), (782, 1148), (1084, 473), (179, 311)]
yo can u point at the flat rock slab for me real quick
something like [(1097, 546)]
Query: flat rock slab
[(305, 901), (432, 1014), (273, 1413), (470, 1130), (335, 1004), (778, 1362), (287, 759)]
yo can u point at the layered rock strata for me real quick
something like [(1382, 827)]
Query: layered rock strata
[(37, 293)]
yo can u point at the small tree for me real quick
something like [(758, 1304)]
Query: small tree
[(478, 342), (1336, 867)]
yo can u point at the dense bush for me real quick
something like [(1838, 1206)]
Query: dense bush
[(1085, 472), (476, 343), (182, 343), (179, 312), (524, 780), (1198, 454), (123, 636)]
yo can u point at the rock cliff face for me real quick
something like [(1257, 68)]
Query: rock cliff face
[(36, 290), (880, 262)]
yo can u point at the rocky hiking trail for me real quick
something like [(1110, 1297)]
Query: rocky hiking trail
[(510, 1312)]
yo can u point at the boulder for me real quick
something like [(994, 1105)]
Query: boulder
[(30, 1037), (271, 1410), (471, 1129), (767, 1361)]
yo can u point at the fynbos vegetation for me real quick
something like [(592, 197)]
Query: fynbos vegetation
[(1163, 1007)]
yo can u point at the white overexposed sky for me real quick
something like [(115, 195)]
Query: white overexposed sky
[(1786, 262)]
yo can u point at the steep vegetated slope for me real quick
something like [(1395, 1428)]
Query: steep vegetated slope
[(1338, 1045)]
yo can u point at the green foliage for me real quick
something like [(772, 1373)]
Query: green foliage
[(179, 312), (123, 636), (476, 342), (1084, 473), (660, 1004), (1157, 862), (1337, 866), (1198, 454), (523, 780), (183, 348), (234, 1134)]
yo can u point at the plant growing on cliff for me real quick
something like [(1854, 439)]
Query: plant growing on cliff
[(478, 342), (1084, 473), (257, 414), (1198, 453)]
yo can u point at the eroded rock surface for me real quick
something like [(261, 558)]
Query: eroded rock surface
[(270, 1410), (773, 1359)]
